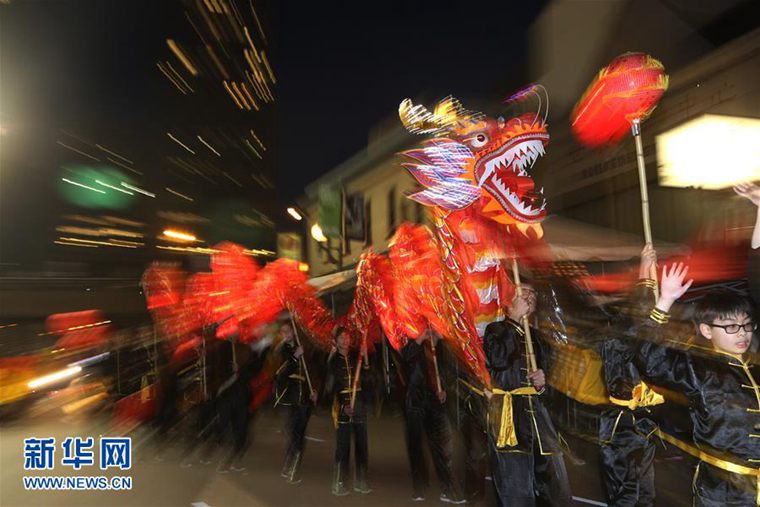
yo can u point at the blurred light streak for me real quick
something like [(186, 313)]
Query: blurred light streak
[(77, 151), (212, 28), (54, 377), (113, 187), (217, 62), (250, 41), (8, 325), (179, 142), (303, 267), (188, 249), (102, 231), (236, 182), (122, 221), (232, 94), (240, 96), (259, 252), (170, 233), (138, 189), (258, 23), (74, 244), (93, 359), (181, 56), (171, 79), (269, 69), (255, 86), (248, 143), (83, 186), (179, 194), (86, 219), (255, 137), (114, 154), (248, 95), (712, 151), (209, 146), (125, 242), (257, 180), (93, 242), (197, 32), (179, 76), (124, 166), (295, 214)]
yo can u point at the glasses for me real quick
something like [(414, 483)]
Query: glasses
[(734, 328)]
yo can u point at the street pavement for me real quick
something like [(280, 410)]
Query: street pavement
[(160, 481)]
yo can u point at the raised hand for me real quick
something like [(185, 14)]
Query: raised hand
[(673, 285), (749, 191)]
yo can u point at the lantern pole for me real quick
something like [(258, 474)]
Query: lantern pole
[(636, 131)]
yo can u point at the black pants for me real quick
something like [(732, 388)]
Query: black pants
[(347, 427), (529, 479), (472, 429), (295, 428), (430, 422), (627, 458)]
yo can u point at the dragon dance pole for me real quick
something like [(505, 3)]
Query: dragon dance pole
[(303, 361), (359, 358), (636, 131), (435, 366), (526, 325)]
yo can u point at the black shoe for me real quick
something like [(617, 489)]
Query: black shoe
[(362, 488), (452, 498), (339, 489)]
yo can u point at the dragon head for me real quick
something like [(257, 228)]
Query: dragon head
[(472, 159)]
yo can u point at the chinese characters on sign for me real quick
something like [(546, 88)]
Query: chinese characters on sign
[(39, 453)]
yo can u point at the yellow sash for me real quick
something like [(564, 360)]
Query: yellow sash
[(642, 396), (506, 435)]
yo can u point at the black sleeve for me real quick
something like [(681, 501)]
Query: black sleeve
[(662, 365)]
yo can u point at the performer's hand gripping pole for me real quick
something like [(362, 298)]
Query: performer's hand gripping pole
[(526, 325), (636, 131)]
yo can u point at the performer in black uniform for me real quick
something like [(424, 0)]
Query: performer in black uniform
[(292, 391), (426, 416), (721, 381), (348, 420), (527, 464), (626, 428)]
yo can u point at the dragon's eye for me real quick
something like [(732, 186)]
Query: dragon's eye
[(479, 141)]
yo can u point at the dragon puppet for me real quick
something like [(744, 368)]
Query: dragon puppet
[(484, 204)]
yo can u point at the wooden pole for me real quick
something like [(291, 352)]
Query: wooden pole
[(526, 325), (303, 360), (645, 217), (435, 367)]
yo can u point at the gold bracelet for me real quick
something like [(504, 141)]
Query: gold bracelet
[(659, 316)]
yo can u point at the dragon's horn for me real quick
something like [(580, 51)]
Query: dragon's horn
[(418, 120)]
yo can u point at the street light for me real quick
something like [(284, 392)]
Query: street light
[(317, 234), (295, 214)]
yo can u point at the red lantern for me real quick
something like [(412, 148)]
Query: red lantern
[(629, 88)]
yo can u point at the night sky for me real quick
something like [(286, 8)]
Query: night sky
[(344, 66)]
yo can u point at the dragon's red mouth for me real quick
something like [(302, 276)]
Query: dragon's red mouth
[(503, 174)]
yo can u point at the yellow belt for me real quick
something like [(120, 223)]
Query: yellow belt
[(714, 461), (507, 435), (642, 396)]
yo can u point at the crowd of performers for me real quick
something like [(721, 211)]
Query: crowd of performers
[(507, 430)]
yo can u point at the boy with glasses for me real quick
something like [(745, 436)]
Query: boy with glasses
[(721, 384)]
